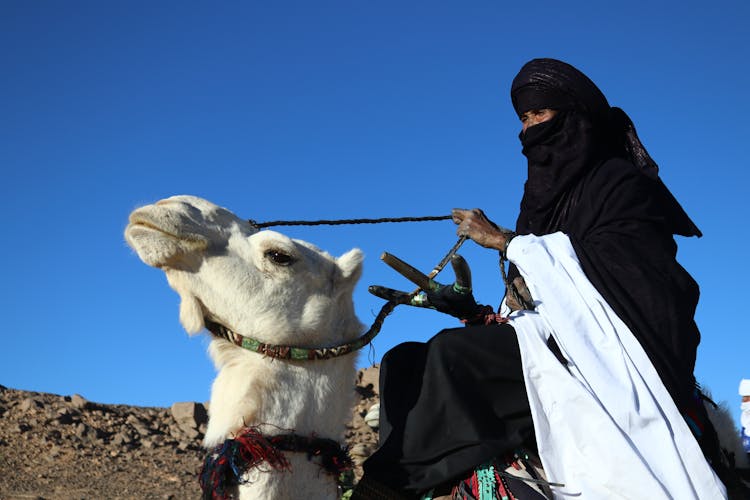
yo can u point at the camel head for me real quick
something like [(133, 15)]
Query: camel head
[(260, 284)]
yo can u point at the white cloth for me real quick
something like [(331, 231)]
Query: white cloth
[(745, 421), (606, 426), (744, 387), (745, 417)]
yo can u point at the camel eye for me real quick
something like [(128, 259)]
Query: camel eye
[(280, 258)]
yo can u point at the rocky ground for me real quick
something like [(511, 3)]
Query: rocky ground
[(65, 447)]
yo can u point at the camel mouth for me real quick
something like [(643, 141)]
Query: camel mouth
[(144, 222), (143, 225), (142, 235), (160, 246), (140, 227)]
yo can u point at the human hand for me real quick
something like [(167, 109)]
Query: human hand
[(475, 225)]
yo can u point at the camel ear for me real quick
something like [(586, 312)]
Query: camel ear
[(191, 313), (351, 265)]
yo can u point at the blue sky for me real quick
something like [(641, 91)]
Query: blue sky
[(327, 110)]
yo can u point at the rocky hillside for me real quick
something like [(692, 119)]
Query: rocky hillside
[(65, 447)]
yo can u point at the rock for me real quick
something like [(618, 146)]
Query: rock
[(369, 376), (29, 404), (81, 430), (142, 430), (53, 436), (121, 438), (133, 420), (176, 432), (79, 402), (65, 417), (87, 433), (180, 433), (21, 428), (189, 415)]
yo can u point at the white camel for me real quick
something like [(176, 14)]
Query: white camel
[(246, 284)]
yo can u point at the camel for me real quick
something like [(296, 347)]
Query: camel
[(261, 290)]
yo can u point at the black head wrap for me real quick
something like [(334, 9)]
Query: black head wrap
[(549, 83), (585, 132), (553, 84)]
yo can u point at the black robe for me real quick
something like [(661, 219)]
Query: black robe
[(459, 400), (621, 229)]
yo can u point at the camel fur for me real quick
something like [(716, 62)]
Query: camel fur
[(264, 285)]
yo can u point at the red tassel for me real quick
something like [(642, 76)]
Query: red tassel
[(254, 448)]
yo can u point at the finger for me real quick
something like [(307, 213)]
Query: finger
[(389, 294), (459, 214), (482, 218), (463, 274), (414, 275), (478, 212)]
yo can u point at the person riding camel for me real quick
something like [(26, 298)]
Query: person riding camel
[(460, 408)]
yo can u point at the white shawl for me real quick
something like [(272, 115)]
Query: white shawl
[(606, 426)]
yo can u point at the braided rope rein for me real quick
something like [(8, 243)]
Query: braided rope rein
[(297, 353), (338, 222)]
